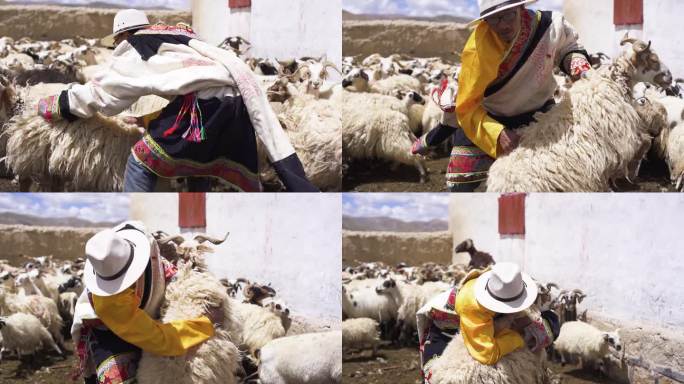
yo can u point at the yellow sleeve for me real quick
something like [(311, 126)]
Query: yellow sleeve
[(482, 55), (477, 328), (120, 313)]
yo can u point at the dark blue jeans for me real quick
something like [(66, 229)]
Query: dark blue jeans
[(137, 178)]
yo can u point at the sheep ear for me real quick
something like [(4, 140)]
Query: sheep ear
[(606, 336)]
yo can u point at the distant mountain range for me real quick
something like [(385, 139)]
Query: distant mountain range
[(98, 4), (388, 224), (12, 218), (346, 15)]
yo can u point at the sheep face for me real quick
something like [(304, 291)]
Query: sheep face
[(613, 339), (387, 286), (653, 115), (647, 62), (357, 78)]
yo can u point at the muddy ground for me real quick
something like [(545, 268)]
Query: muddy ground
[(380, 176), (44, 368), (402, 366)]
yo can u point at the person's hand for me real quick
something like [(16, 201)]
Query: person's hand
[(419, 147), (48, 108), (508, 141), (135, 121), (578, 66), (216, 315)]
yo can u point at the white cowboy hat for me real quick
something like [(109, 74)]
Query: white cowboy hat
[(504, 289), (125, 20), (491, 7), (116, 258)]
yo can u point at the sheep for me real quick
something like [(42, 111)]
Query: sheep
[(377, 133), (23, 333), (586, 342), (359, 81), (360, 334), (409, 298), (312, 358), (260, 325), (669, 145), (313, 75), (456, 366), (217, 360), (566, 302), (41, 307), (478, 259), (592, 137), (188, 250), (360, 300), (90, 154)]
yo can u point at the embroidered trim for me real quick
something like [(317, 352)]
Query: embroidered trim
[(156, 160), (527, 29)]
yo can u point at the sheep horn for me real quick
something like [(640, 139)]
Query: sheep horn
[(178, 239), (551, 285), (333, 66), (202, 238)]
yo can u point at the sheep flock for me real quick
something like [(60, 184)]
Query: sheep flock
[(572, 145), (90, 154), (380, 330), (252, 342)]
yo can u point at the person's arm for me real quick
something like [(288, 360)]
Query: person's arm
[(572, 58), (120, 313), (480, 62), (477, 327)]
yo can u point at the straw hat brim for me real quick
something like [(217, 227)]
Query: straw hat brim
[(108, 41), (523, 2), (485, 299)]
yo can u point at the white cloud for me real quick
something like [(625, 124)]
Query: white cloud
[(88, 206), (173, 4), (404, 206)]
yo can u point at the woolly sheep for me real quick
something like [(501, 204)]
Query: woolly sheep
[(260, 325), (582, 144), (360, 334), (359, 300), (23, 333), (377, 133), (41, 307), (312, 358), (360, 82), (586, 342), (90, 154), (216, 360), (457, 366)]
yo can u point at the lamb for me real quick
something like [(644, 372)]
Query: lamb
[(586, 342), (377, 133), (214, 361), (312, 358), (260, 325), (595, 134), (478, 259), (23, 333), (360, 334)]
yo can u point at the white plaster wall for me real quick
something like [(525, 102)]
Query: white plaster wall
[(594, 22), (212, 21), (623, 250), (292, 241), (474, 216), (296, 28)]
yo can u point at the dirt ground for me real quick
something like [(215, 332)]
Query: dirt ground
[(379, 176), (402, 366), (45, 368)]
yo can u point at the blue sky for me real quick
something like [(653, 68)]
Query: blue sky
[(402, 206), (466, 8), (175, 4), (94, 207)]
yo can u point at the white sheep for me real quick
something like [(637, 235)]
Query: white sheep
[(409, 298), (259, 325), (359, 300), (217, 360), (41, 307), (312, 358), (360, 334), (586, 342), (669, 145), (383, 133), (23, 333), (358, 81), (457, 366), (595, 135)]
